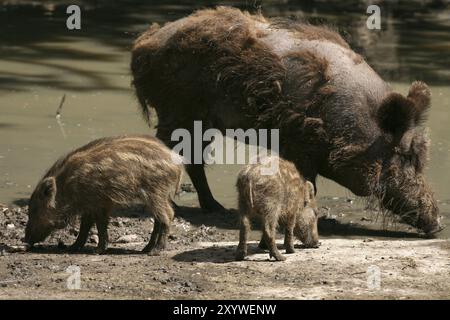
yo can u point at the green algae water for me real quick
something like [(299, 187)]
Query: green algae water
[(41, 61)]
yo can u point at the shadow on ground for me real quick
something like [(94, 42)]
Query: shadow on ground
[(222, 254), (327, 227), (21, 202), (225, 254), (332, 227), (55, 249)]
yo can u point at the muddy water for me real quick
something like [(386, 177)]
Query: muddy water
[(40, 61)]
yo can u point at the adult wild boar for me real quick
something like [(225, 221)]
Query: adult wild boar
[(336, 116)]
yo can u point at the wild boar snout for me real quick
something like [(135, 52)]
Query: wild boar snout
[(428, 218), (41, 212), (36, 234), (306, 228), (402, 187), (411, 198)]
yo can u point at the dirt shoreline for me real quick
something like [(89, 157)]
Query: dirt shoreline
[(199, 264)]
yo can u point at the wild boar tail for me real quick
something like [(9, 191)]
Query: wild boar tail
[(140, 95), (140, 68), (250, 193)]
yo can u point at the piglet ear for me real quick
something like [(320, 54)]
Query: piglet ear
[(420, 95), (396, 115), (49, 190), (309, 192)]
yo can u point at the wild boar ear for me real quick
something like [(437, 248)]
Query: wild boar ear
[(420, 95), (49, 190), (309, 192), (396, 115)]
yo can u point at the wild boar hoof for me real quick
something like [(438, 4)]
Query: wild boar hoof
[(154, 252), (240, 255), (213, 206), (317, 245), (154, 249), (312, 245), (278, 257), (146, 249), (290, 250)]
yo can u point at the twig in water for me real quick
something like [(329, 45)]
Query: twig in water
[(58, 111), (58, 116)]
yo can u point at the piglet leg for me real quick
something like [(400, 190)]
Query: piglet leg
[(86, 224)]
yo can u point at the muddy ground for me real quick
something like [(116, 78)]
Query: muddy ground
[(199, 263)]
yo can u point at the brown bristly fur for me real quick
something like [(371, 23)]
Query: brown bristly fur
[(281, 197), (90, 181), (336, 116)]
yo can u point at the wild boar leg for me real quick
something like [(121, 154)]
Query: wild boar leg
[(207, 202), (195, 171), (289, 236), (164, 215), (263, 243), (166, 221), (155, 233), (102, 229), (270, 232), (86, 224), (241, 251)]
